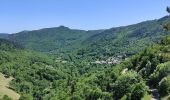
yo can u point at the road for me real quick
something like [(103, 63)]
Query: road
[(155, 94)]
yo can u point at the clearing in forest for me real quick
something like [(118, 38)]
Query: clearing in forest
[(4, 88)]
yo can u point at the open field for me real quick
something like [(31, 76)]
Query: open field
[(4, 90)]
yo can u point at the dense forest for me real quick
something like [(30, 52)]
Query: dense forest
[(61, 63), (92, 44), (39, 76), (57, 40)]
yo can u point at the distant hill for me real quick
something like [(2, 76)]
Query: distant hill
[(9, 45), (126, 40), (4, 35), (53, 40)]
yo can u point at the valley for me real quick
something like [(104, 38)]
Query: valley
[(69, 64)]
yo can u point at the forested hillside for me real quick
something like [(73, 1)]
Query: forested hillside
[(3, 35), (126, 40), (37, 76), (24, 66), (129, 62), (77, 77), (40, 77), (133, 79), (53, 40)]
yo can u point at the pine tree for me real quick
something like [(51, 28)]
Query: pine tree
[(168, 9), (167, 26)]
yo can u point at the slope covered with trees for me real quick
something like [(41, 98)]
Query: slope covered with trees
[(25, 67), (37, 76), (52, 40), (129, 80), (3, 35), (41, 77), (126, 40)]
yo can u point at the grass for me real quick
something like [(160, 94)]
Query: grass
[(4, 90), (166, 97), (147, 97)]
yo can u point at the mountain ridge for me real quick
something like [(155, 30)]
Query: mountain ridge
[(122, 38), (63, 40)]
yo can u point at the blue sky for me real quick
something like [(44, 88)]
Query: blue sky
[(18, 15)]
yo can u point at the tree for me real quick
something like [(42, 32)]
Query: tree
[(167, 26), (164, 86), (129, 84), (168, 9), (140, 89)]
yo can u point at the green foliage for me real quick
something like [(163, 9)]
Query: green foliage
[(153, 65), (139, 90), (147, 97), (5, 97), (94, 44), (56, 41), (161, 71), (26, 97), (124, 97), (70, 74), (25, 67), (164, 86), (166, 40), (126, 40), (129, 84)]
